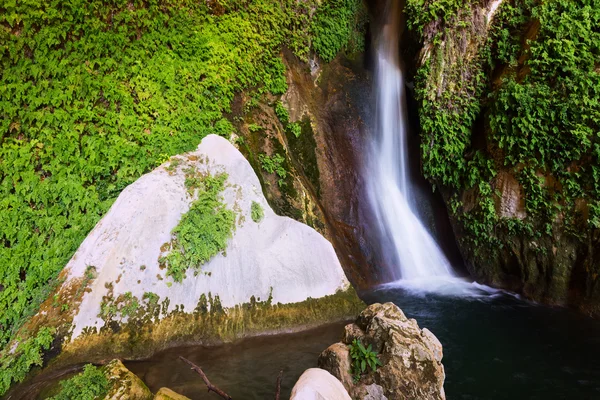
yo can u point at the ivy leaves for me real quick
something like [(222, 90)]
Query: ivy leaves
[(542, 119), (548, 122), (203, 231)]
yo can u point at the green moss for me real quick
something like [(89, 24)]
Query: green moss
[(210, 323), (257, 213), (282, 113), (339, 24), (202, 232), (420, 13), (274, 165), (28, 353), (303, 148), (546, 117)]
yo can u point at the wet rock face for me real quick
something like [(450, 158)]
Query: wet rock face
[(511, 202), (333, 104), (411, 357)]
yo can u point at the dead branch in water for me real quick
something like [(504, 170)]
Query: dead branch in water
[(210, 386), (278, 387)]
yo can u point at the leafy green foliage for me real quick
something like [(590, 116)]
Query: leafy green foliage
[(295, 129), (362, 358), (541, 119), (422, 12), (256, 212), (202, 232), (282, 113), (91, 384), (284, 116), (338, 24), (274, 164), (16, 365), (548, 122), (94, 94)]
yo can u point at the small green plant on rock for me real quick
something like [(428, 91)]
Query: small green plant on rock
[(362, 358), (15, 365), (295, 128), (282, 113), (272, 165), (256, 212)]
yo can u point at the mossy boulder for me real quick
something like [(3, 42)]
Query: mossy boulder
[(125, 385), (168, 394)]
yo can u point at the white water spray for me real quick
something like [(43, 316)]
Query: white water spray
[(390, 191)]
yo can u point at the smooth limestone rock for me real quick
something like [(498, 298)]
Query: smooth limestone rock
[(318, 384), (277, 258), (411, 357), (125, 385), (168, 394)]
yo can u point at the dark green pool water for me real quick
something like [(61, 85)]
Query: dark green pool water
[(500, 347)]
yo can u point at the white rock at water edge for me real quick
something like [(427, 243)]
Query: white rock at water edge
[(279, 253), (318, 384)]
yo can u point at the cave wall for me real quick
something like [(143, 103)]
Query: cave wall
[(521, 191)]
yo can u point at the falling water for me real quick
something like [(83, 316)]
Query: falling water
[(390, 191)]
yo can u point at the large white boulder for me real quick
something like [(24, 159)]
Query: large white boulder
[(318, 384), (277, 256)]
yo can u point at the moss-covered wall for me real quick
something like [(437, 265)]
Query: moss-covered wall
[(509, 115)]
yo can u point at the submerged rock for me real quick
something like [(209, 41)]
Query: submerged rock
[(318, 384), (274, 273), (411, 357), (125, 385), (168, 394)]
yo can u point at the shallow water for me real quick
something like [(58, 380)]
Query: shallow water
[(245, 370)]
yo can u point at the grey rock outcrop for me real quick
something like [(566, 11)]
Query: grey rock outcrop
[(411, 357)]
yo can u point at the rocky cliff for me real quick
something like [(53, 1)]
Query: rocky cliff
[(509, 136), (408, 367)]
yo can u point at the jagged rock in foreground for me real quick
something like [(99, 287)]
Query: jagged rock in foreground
[(318, 384), (411, 357), (275, 273)]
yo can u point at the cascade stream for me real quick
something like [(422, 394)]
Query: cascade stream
[(420, 260)]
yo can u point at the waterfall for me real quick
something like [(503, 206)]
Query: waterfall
[(390, 191)]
